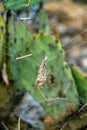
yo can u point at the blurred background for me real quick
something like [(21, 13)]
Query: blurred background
[(69, 19)]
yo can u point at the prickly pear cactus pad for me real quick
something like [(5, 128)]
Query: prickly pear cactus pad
[(81, 82), (60, 88), (2, 30), (20, 4)]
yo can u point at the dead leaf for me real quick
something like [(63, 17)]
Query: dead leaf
[(4, 74)]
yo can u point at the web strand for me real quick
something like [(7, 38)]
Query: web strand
[(79, 34)]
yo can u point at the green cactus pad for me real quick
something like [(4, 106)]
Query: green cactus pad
[(2, 30), (19, 4), (60, 86), (81, 82)]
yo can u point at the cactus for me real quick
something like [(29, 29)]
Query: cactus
[(2, 31), (20, 4), (81, 83), (60, 89), (59, 83)]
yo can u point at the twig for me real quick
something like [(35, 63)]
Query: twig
[(82, 107), (63, 126), (19, 124), (18, 58), (27, 18)]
